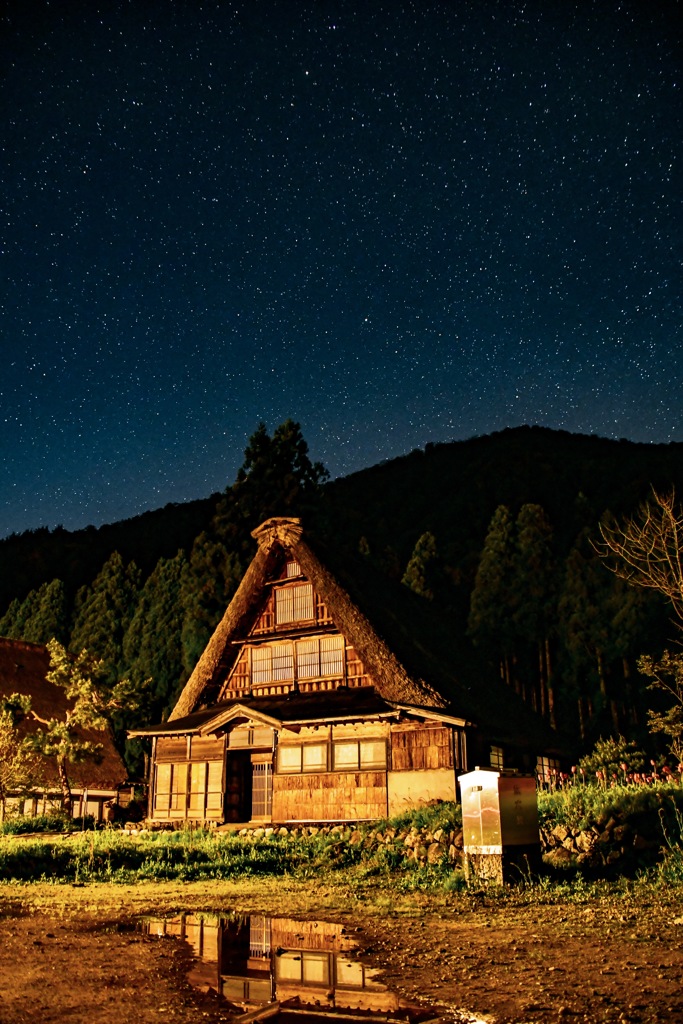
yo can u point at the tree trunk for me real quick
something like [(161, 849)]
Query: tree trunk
[(631, 701), (543, 690), (582, 718), (549, 684), (67, 802)]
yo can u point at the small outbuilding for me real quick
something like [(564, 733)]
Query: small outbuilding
[(94, 782)]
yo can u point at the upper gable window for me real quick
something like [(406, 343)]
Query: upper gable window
[(294, 604), (292, 568), (321, 657), (273, 662)]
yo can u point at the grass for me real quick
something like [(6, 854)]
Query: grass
[(56, 822), (197, 855), (584, 806)]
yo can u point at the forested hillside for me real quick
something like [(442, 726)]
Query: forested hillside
[(497, 534)]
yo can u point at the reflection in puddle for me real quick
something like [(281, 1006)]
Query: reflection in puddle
[(284, 970)]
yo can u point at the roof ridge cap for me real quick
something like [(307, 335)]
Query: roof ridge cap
[(285, 530)]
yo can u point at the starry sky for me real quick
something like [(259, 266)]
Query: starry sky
[(395, 222)]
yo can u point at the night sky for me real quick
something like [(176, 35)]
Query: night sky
[(393, 222)]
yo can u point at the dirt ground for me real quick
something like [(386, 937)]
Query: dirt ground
[(72, 954)]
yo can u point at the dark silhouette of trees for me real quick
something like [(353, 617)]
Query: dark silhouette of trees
[(423, 575), (104, 611)]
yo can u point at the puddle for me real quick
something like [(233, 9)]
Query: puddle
[(283, 970)]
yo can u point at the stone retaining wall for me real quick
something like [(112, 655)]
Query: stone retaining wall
[(611, 844)]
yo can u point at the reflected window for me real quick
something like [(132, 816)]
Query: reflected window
[(306, 966), (349, 973)]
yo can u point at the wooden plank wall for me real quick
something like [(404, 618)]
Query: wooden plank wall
[(171, 748), (330, 796), (416, 746)]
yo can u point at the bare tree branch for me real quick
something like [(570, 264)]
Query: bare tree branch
[(647, 550)]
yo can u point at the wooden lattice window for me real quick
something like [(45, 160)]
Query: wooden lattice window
[(294, 604), (179, 787), (320, 658), (197, 788), (272, 663), (262, 790), (162, 790)]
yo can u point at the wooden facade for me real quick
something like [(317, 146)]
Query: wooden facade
[(298, 711), (346, 771)]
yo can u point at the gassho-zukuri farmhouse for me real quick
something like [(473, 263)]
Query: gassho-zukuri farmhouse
[(327, 694)]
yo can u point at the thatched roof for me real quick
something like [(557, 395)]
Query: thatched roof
[(23, 669), (390, 677), (406, 647)]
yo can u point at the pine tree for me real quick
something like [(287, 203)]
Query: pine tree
[(152, 646), (211, 577), (535, 596), (50, 615), (277, 476), (8, 622), (422, 571), (104, 611), (43, 614), (490, 618), (22, 615)]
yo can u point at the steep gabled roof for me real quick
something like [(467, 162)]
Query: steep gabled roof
[(388, 674), (23, 669), (408, 652)]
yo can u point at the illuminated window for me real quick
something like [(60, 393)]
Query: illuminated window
[(309, 757), (292, 569), (197, 786), (178, 787), (496, 758), (314, 757), (355, 755), (272, 663), (294, 604), (289, 759), (373, 754), (321, 658), (214, 787), (547, 768), (162, 791)]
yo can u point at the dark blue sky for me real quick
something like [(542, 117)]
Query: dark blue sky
[(394, 222)]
